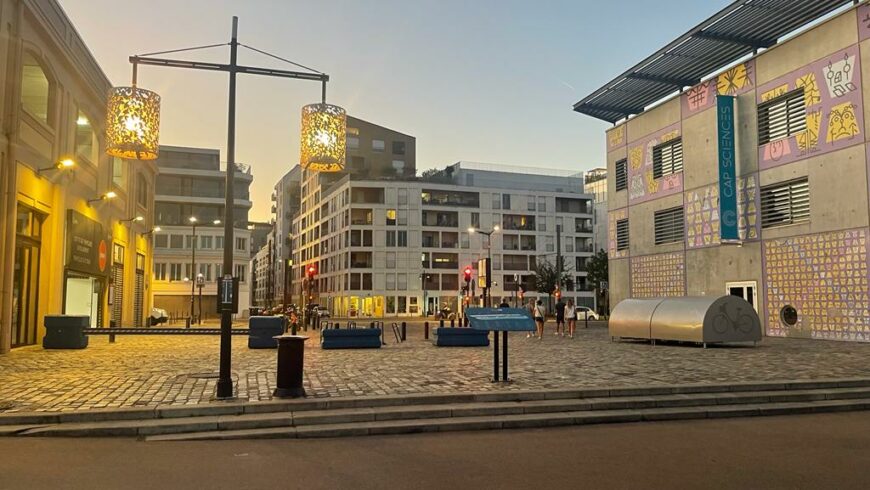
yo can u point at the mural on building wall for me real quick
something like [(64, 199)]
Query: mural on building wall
[(736, 80), (612, 218), (702, 213), (824, 277), (616, 137), (834, 106), (658, 276), (641, 184)]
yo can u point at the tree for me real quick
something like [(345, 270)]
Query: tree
[(547, 277), (596, 270)]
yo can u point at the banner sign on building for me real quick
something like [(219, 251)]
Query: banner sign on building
[(86, 246), (728, 229)]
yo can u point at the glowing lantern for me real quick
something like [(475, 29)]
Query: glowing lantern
[(133, 123), (324, 138)]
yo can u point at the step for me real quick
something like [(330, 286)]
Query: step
[(523, 421), (399, 401), (363, 416)]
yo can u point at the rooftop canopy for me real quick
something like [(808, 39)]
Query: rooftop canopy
[(734, 32)]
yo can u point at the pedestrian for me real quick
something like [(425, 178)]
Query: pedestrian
[(571, 317), (531, 309), (560, 318), (539, 319), (504, 303)]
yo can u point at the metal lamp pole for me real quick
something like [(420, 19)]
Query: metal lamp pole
[(487, 299), (225, 383), (192, 269)]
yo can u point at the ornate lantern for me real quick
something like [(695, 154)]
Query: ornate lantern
[(133, 123), (324, 137)]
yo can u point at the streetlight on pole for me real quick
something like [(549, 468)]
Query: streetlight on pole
[(487, 301), (132, 132), (193, 223)]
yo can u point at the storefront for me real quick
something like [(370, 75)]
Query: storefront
[(25, 283), (86, 266)]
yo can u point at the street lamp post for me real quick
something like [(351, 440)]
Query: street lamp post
[(133, 119), (192, 275), (487, 299)]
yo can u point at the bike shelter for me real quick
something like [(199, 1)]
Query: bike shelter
[(701, 319)]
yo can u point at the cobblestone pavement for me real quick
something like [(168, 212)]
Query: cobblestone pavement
[(146, 371)]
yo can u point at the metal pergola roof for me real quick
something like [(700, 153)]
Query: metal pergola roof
[(734, 32)]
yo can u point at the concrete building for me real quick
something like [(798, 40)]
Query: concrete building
[(788, 153), (64, 249), (596, 184), (263, 274), (191, 184), (286, 201), (397, 246)]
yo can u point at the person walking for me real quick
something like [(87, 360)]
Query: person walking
[(504, 303), (560, 318), (540, 318), (571, 317)]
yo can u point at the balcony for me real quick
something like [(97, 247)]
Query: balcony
[(444, 219), (449, 240), (361, 216), (518, 222), (430, 239), (450, 198)]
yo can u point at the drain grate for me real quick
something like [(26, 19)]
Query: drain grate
[(204, 375)]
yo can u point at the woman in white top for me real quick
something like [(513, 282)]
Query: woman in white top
[(571, 317), (540, 318)]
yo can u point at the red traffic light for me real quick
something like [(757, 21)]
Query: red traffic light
[(468, 271), (312, 271)]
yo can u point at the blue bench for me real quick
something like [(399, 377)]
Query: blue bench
[(461, 337), (261, 329), (353, 338)]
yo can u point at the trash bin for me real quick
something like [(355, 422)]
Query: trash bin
[(65, 332), (291, 362)]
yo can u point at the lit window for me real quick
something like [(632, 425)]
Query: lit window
[(86, 140)]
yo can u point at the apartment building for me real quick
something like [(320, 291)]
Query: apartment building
[(190, 185), (752, 182), (596, 184), (285, 204), (75, 222), (397, 246)]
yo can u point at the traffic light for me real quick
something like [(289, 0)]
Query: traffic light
[(467, 272), (312, 271), (558, 293)]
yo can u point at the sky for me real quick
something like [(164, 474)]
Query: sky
[(489, 81)]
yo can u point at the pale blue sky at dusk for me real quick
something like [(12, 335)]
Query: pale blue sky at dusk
[(486, 81)]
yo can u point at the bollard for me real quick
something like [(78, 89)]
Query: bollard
[(291, 357), (425, 330), (452, 323), (293, 328), (404, 331), (112, 336), (441, 323), (187, 322), (586, 314), (465, 321)]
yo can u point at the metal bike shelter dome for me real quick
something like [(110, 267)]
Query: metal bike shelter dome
[(701, 319)]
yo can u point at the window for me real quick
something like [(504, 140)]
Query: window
[(403, 217), (542, 205), (240, 272), (174, 272), (402, 282), (403, 196), (785, 203), (378, 145), (241, 244), (391, 238), (391, 283), (669, 225), (398, 147), (496, 201), (219, 243), (142, 191), (86, 139), (668, 158), (205, 242), (353, 142), (782, 117), (118, 172), (161, 241), (391, 217), (531, 203), (176, 241), (403, 239), (475, 220), (622, 175), (391, 260), (35, 89), (399, 166), (506, 201), (160, 272), (622, 234)]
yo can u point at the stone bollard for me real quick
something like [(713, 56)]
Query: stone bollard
[(291, 362), (404, 331), (425, 330), (452, 323)]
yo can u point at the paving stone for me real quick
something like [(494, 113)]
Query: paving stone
[(151, 371)]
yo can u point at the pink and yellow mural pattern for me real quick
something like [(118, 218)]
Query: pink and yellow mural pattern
[(736, 80), (658, 276), (702, 213), (641, 184)]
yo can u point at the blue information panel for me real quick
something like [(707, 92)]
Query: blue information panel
[(500, 319), (727, 168)]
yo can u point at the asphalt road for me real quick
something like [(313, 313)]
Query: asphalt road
[(811, 451)]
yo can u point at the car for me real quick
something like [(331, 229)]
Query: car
[(158, 316), (583, 311), (321, 312)]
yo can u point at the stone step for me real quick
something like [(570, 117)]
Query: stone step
[(306, 418), (524, 421), (283, 406)]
